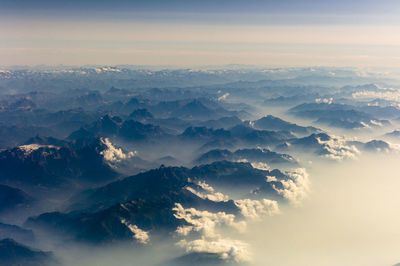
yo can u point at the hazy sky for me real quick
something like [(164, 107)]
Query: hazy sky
[(177, 32)]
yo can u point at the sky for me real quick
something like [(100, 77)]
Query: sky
[(187, 33)]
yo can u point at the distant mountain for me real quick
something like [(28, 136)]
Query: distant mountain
[(227, 174), (15, 254), (11, 136), (21, 104), (147, 200), (394, 135), (146, 185), (322, 145), (204, 133), (126, 107), (238, 135), (168, 161), (13, 198), (270, 122), (46, 141), (337, 115), (108, 126), (141, 115), (251, 155), (291, 100), (36, 165), (382, 112), (223, 122), (372, 146), (199, 259), (191, 109), (16, 232)]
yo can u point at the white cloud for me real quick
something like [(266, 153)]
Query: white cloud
[(138, 234), (376, 123), (184, 230), (338, 150), (364, 124), (223, 97), (113, 154), (271, 178), (228, 249), (296, 188), (385, 94), (208, 192), (324, 100), (207, 226), (206, 222), (252, 209), (260, 166)]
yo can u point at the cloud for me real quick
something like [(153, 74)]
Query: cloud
[(271, 178), (296, 187), (184, 230), (324, 100), (252, 209), (385, 94), (113, 154), (205, 222), (140, 235), (207, 225), (228, 249), (208, 192), (376, 123), (260, 166), (337, 149), (223, 97)]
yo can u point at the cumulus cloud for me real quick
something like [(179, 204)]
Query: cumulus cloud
[(228, 249), (324, 100), (252, 209), (208, 192), (140, 235), (205, 186), (184, 230), (296, 188), (207, 225), (271, 178), (337, 149), (205, 222), (260, 166), (113, 154)]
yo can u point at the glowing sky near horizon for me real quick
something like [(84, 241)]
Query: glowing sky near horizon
[(176, 32)]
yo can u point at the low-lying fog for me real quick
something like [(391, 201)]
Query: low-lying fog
[(350, 218)]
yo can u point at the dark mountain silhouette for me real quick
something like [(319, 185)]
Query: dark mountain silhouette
[(147, 199), (108, 126), (337, 115), (270, 122), (253, 155), (16, 232), (15, 254), (13, 198), (51, 166)]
